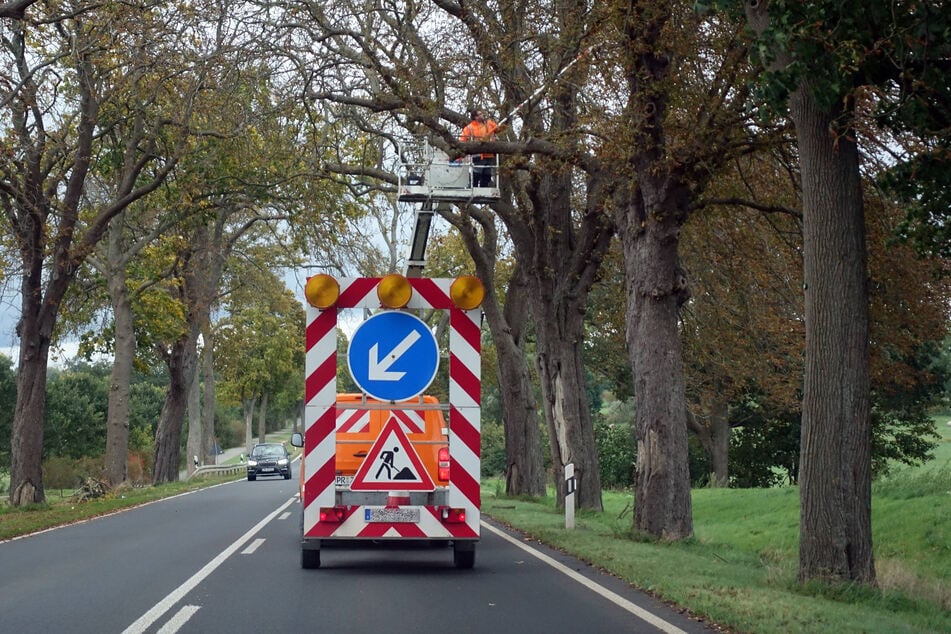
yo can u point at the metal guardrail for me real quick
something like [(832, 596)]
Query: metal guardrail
[(219, 469)]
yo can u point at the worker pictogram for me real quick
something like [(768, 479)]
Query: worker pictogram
[(392, 464)]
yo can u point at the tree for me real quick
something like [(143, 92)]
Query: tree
[(418, 84), (508, 315), (75, 413), (15, 9), (828, 64), (261, 346), (55, 133), (684, 116)]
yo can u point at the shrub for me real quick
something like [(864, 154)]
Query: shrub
[(494, 461)]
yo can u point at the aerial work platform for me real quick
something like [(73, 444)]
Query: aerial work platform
[(426, 174)]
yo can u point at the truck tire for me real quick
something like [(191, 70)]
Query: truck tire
[(309, 559), (463, 556)]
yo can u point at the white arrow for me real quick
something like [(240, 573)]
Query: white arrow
[(379, 369)]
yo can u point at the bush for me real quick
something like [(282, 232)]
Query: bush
[(617, 454), (494, 460), (63, 472), (230, 433)]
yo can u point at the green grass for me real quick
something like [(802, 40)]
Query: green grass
[(740, 568), (61, 509)]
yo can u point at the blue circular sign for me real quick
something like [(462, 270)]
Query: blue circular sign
[(393, 356)]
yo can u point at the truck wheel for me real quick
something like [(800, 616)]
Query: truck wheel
[(310, 559), (463, 557)]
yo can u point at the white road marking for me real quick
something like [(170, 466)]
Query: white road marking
[(163, 606), (613, 597), (181, 618), (253, 547)]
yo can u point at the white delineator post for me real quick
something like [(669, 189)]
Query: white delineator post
[(570, 485)]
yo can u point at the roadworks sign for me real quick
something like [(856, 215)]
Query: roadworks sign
[(392, 464)]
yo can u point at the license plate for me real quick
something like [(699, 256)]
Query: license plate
[(344, 481), (410, 515), (267, 470)]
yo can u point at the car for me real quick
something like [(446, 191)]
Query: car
[(269, 459)]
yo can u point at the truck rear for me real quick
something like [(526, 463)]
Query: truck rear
[(390, 463)]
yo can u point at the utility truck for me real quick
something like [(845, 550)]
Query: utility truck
[(391, 462)]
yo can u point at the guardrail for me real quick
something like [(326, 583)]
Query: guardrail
[(219, 469)]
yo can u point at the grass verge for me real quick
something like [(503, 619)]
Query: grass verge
[(62, 509)]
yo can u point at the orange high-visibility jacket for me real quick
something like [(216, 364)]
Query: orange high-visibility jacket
[(478, 131)]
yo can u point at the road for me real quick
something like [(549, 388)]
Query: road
[(227, 559)]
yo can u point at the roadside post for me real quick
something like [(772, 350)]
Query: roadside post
[(570, 485)]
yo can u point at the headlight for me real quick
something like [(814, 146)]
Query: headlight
[(282, 461), (252, 463)]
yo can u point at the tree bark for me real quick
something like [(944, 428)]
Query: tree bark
[(653, 207), (525, 466), (563, 253), (713, 431), (657, 289), (247, 406), (262, 419), (525, 469), (117, 418), (209, 434), (835, 454), (26, 441), (168, 433)]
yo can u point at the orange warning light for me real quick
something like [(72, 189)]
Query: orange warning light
[(322, 291)]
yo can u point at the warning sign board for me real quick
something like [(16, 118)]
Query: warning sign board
[(392, 464)]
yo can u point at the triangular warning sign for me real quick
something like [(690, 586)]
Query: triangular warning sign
[(392, 464)]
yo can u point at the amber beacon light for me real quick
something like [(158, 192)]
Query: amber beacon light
[(394, 291), (467, 292), (322, 291)]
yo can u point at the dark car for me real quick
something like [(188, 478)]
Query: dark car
[(267, 459)]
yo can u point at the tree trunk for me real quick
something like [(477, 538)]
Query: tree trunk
[(117, 418), (657, 289), (26, 441), (653, 206), (168, 434), (262, 419), (525, 466), (209, 434), (719, 450), (563, 253), (561, 374), (525, 469), (835, 454), (247, 405), (713, 431)]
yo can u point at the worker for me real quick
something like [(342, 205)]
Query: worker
[(480, 129)]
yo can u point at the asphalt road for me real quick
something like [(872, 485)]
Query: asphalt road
[(227, 559)]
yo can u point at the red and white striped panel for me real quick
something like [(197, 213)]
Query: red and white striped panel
[(353, 421), (464, 413), (356, 421)]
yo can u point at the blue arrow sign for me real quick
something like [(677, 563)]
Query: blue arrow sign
[(393, 356)]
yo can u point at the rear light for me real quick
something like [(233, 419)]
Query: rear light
[(332, 514), (452, 516), (443, 464)]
